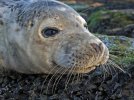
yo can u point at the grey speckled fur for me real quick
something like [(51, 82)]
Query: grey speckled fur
[(26, 10)]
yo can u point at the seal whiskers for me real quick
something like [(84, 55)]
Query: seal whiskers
[(69, 75), (115, 65), (51, 79), (57, 80), (109, 67), (54, 68)]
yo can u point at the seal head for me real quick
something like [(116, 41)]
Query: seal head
[(52, 38)]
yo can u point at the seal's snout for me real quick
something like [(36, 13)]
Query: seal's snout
[(81, 54)]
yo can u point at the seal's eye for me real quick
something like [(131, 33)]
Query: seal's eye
[(49, 32)]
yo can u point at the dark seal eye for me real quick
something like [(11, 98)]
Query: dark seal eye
[(49, 32)]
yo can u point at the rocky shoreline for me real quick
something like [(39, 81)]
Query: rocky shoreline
[(96, 85)]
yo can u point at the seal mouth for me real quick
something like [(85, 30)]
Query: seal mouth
[(76, 69)]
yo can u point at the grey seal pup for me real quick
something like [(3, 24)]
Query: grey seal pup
[(47, 36)]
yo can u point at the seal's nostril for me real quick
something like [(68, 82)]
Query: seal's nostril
[(97, 47), (101, 46)]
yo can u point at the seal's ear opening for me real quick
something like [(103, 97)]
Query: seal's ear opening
[(49, 32), (86, 26)]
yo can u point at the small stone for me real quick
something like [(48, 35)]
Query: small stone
[(55, 96)]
